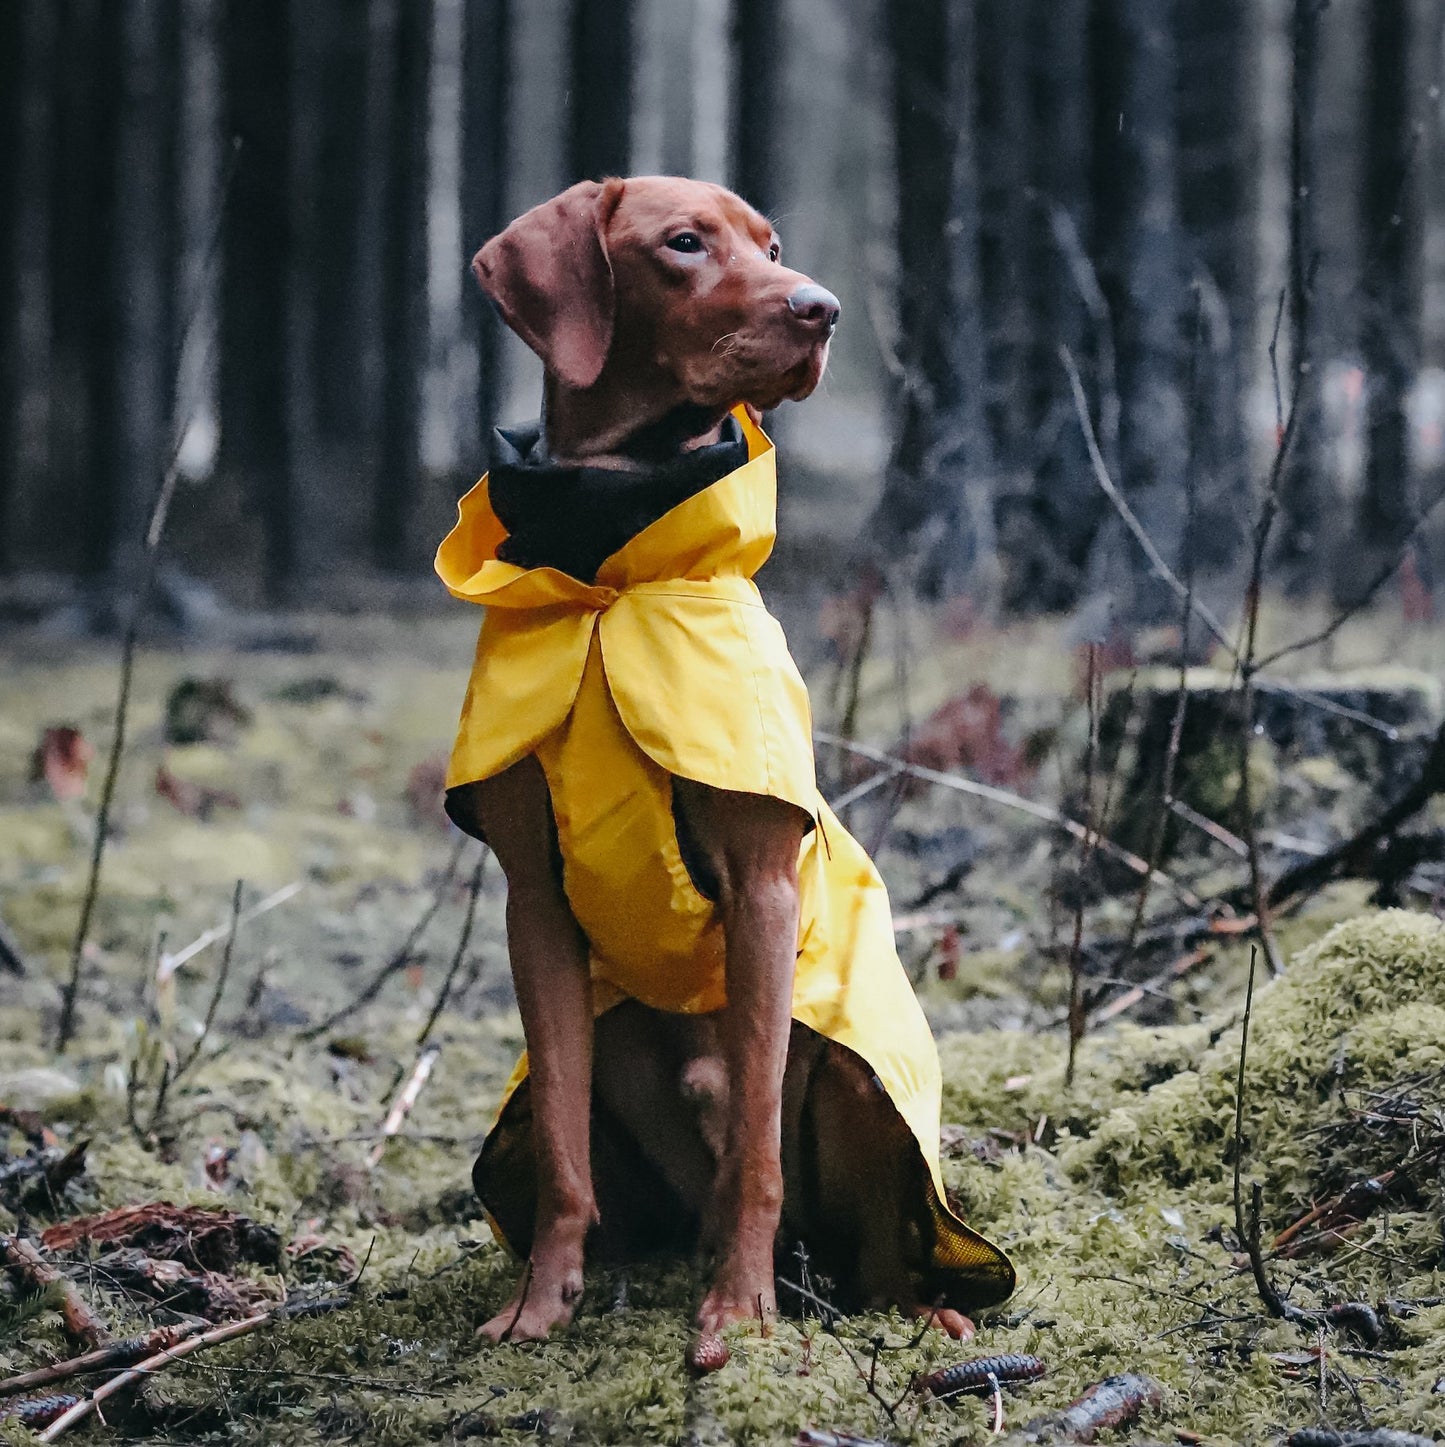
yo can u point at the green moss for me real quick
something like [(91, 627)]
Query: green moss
[(1109, 1194)]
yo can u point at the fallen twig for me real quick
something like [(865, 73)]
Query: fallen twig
[(1136, 994), (1205, 825), (1372, 1437), (1305, 878), (82, 1325), (474, 889), (822, 1437), (117, 1354), (1114, 1402), (162, 1359), (861, 790), (399, 960), (168, 964), (172, 1076), (401, 1107), (963, 785)]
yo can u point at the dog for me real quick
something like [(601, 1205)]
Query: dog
[(722, 1048)]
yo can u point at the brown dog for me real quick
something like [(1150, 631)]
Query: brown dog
[(657, 306)]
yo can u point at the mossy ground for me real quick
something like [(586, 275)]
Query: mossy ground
[(1110, 1193)]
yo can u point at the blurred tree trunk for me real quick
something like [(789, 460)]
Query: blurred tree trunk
[(940, 473), (1389, 335), (757, 64), (372, 219), (1137, 221), (311, 526), (345, 284), (83, 238), (1302, 483), (32, 514), (403, 294), (255, 366), (1045, 534), (1215, 201), (485, 76), (12, 383), (600, 113), (1005, 143), (202, 164), (140, 271)]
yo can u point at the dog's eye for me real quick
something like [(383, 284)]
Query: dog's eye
[(774, 251), (688, 241)]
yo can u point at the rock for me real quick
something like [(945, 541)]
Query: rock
[(37, 1088)]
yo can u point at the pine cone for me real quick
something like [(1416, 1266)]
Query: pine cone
[(706, 1353)]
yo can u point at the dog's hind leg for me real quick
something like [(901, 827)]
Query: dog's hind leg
[(644, 1061), (554, 993), (870, 1188)]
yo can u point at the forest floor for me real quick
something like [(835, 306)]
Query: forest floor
[(319, 767)]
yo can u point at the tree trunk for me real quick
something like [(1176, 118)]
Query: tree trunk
[(1005, 145), (84, 424), (12, 71), (1048, 539), (345, 291), (1136, 216), (757, 64), (485, 74), (313, 538), (941, 466), (1215, 213), (1302, 483), (202, 164), (403, 299), (140, 265), (255, 439), (1389, 339), (32, 512), (600, 114)]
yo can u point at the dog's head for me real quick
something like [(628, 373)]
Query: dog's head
[(662, 291)]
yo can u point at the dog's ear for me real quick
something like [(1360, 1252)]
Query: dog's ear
[(551, 278)]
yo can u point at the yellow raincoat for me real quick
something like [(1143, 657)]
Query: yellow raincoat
[(669, 664)]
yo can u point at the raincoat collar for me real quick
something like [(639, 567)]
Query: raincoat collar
[(725, 530)]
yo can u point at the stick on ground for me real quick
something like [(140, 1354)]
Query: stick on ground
[(83, 1408), (117, 1354), (82, 1325), (401, 1107), (963, 785)]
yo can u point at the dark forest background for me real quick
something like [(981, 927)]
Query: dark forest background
[(235, 232)]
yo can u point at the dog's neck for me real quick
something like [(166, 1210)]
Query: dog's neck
[(614, 425)]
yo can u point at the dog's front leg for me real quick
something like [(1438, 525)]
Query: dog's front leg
[(554, 993), (750, 845)]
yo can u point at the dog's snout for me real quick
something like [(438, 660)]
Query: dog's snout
[(815, 306)]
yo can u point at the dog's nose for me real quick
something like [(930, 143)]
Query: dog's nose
[(816, 307)]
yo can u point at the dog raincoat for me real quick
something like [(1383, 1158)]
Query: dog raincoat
[(670, 664)]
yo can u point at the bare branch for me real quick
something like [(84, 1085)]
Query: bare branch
[(1162, 570), (962, 785)]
